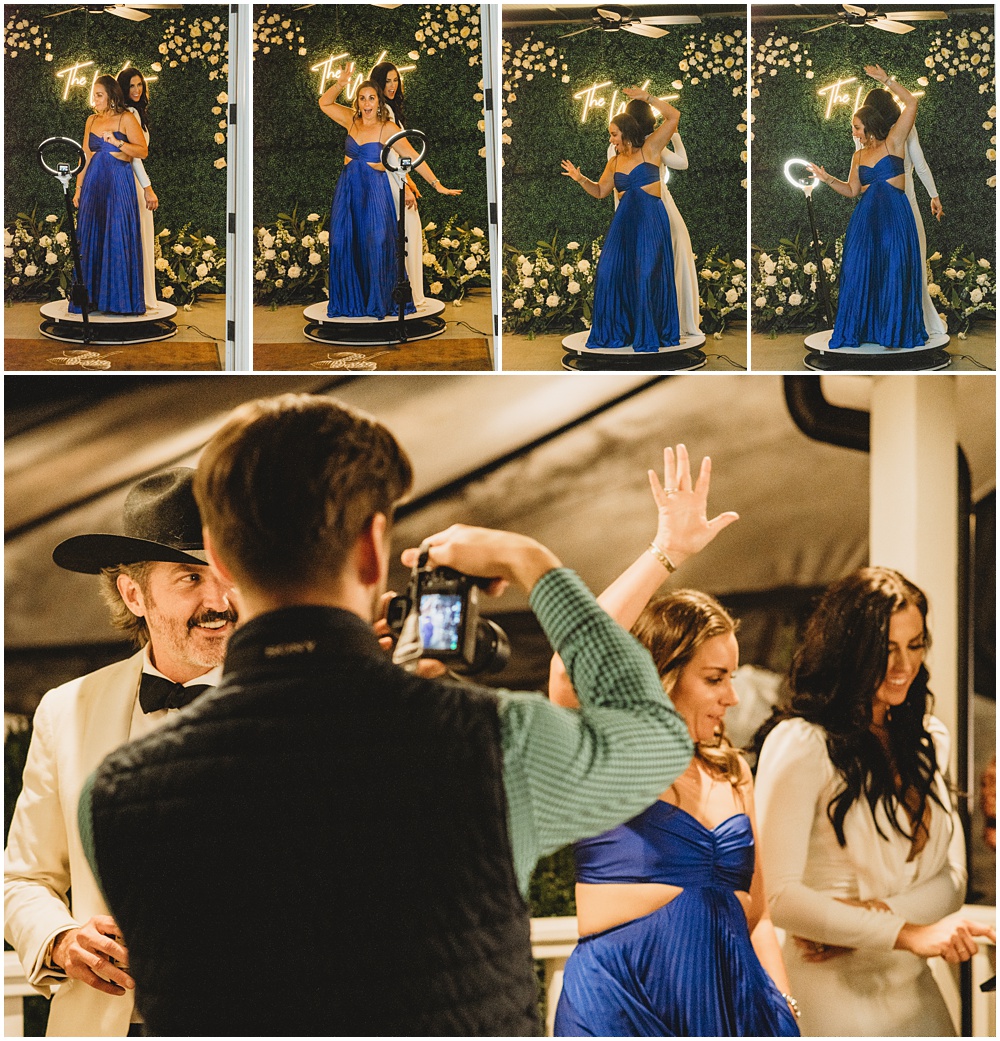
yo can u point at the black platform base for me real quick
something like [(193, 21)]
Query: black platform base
[(374, 335), (675, 361), (904, 361), (117, 334)]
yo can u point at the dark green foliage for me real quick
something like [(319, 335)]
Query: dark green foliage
[(298, 151), (551, 892), (546, 129), (182, 125), (790, 122)]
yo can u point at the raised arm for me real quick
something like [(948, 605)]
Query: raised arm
[(675, 156), (598, 189), (897, 133), (342, 114), (671, 117), (683, 529)]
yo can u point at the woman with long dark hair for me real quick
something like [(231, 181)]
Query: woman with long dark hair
[(387, 78), (675, 934), (635, 297), (881, 272), (108, 220), (673, 157), (136, 94), (362, 220), (863, 848), (913, 163)]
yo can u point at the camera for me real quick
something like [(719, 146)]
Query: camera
[(447, 607)]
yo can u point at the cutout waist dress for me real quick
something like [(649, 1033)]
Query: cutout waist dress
[(869, 174), (638, 177)]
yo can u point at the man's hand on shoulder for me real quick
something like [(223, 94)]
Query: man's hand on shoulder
[(86, 954), (502, 556)]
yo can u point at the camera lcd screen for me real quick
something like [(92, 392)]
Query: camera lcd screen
[(440, 621)]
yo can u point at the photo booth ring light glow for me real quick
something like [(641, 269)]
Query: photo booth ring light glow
[(804, 178), (405, 162), (62, 170)]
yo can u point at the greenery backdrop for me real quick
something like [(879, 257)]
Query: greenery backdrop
[(186, 160), (298, 151), (952, 61), (542, 125)]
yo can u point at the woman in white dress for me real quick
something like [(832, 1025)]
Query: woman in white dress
[(862, 848), (914, 162), (387, 76), (674, 157), (133, 85)]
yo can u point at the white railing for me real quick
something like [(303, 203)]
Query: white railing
[(552, 942)]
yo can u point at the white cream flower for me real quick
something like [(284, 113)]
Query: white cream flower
[(294, 271), (168, 291)]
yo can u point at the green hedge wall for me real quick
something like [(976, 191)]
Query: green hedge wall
[(182, 124), (790, 122), (298, 151), (546, 127)]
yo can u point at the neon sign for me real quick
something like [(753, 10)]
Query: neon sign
[(327, 73), (74, 79), (836, 95), (591, 100)]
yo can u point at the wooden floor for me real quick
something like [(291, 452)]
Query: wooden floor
[(469, 354)]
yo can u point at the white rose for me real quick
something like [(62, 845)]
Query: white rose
[(771, 280), (552, 300), (220, 139), (429, 260), (294, 271), (737, 263), (50, 257), (975, 296), (583, 265), (260, 276), (573, 288), (478, 232), (313, 216), (471, 264), (770, 267), (950, 272), (51, 219), (324, 237), (518, 304), (732, 296), (161, 264), (62, 238), (436, 287), (779, 310), (934, 289), (201, 270), (536, 311), (827, 264), (566, 270), (167, 292), (44, 241), (934, 256), (984, 263), (795, 299), (759, 302), (269, 254), (314, 257), (527, 282)]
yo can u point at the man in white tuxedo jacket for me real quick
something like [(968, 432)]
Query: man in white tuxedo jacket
[(162, 593)]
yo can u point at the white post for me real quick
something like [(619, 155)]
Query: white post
[(914, 508)]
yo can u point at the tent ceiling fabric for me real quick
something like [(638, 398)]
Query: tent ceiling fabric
[(583, 492)]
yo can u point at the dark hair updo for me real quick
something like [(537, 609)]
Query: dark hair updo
[(642, 113), (883, 103), (629, 129), (875, 123), (116, 100)]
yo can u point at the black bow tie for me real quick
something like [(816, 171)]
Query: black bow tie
[(156, 692)]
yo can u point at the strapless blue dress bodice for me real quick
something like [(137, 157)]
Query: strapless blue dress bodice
[(888, 166), (637, 177), (109, 233), (665, 844), (688, 969), (363, 238), (882, 269)]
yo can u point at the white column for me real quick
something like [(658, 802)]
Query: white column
[(914, 504)]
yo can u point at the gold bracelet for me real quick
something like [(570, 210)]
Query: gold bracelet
[(662, 558)]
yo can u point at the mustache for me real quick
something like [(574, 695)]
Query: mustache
[(214, 616)]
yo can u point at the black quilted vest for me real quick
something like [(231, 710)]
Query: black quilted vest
[(319, 847)]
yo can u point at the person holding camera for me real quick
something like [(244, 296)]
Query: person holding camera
[(329, 844)]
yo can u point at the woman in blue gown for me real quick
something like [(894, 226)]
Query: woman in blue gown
[(108, 219), (675, 934), (882, 270), (363, 218), (635, 295)]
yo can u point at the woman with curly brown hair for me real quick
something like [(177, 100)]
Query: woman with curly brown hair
[(863, 847), (363, 219), (675, 934)]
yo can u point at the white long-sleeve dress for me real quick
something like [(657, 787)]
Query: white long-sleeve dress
[(874, 990), (414, 235), (675, 157), (142, 182)]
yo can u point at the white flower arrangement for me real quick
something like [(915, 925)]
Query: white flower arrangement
[(21, 35), (776, 53), (277, 31), (183, 280), (785, 286), (532, 56), (723, 54), (204, 40), (442, 26)]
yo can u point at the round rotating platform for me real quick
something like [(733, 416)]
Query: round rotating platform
[(107, 330), (682, 357), (371, 332), (873, 357)]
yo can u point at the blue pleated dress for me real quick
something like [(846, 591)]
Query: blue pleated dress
[(882, 277), (362, 238), (635, 295), (107, 227), (688, 969)]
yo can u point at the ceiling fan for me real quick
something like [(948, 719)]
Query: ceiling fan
[(615, 18), (131, 12), (892, 22)]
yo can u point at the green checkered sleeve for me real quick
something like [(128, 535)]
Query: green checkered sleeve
[(570, 774)]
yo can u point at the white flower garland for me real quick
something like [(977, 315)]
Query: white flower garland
[(203, 40), (532, 57), (20, 34), (775, 53), (272, 30), (442, 26)]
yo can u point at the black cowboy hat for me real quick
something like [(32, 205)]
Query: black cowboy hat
[(160, 521)]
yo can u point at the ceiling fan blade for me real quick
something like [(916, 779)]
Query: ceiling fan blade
[(566, 36), (818, 27), (59, 14), (671, 19), (915, 16), (854, 9), (609, 14), (651, 32), (891, 27), (128, 13)]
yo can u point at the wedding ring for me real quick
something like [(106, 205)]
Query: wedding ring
[(670, 491)]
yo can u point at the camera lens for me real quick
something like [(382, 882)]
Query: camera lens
[(492, 649)]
